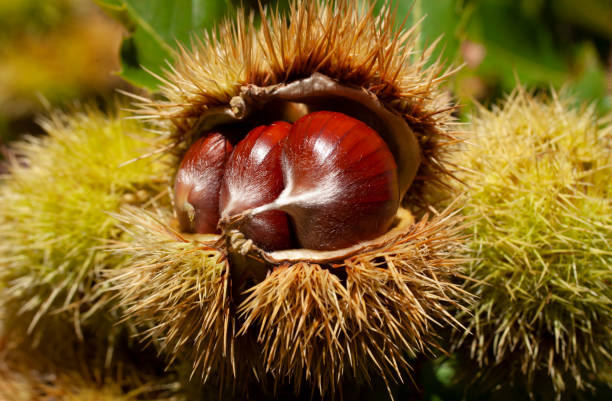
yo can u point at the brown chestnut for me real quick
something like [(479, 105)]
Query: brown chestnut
[(341, 183), (197, 183), (252, 178)]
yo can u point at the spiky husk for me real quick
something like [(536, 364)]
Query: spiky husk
[(17, 385), (540, 196), (26, 382), (377, 309), (177, 291), (366, 315), (43, 374), (54, 217), (100, 363), (341, 39)]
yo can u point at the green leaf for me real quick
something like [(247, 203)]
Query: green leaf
[(156, 27), (117, 10), (140, 56), (590, 79), (516, 46), (516, 43), (442, 19), (169, 21)]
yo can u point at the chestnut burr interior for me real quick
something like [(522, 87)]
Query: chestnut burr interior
[(339, 176), (320, 92)]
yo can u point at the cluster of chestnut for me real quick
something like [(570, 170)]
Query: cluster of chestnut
[(326, 182)]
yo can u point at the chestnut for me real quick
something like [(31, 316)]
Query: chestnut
[(252, 178), (197, 183), (341, 184)]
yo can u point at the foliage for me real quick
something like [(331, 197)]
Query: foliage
[(500, 41), (52, 51), (538, 43), (157, 27)]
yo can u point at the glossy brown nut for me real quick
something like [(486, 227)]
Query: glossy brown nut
[(341, 184), (253, 177), (197, 184)]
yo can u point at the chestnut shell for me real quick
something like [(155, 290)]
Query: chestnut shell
[(197, 184), (341, 181), (252, 178)]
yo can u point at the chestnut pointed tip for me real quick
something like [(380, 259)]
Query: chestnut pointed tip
[(190, 211), (223, 220), (229, 221)]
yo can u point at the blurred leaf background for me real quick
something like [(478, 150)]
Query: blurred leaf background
[(66, 50), (57, 52), (541, 43)]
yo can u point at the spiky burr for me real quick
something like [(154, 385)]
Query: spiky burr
[(540, 197)]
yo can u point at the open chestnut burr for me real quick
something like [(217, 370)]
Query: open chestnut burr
[(365, 277)]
